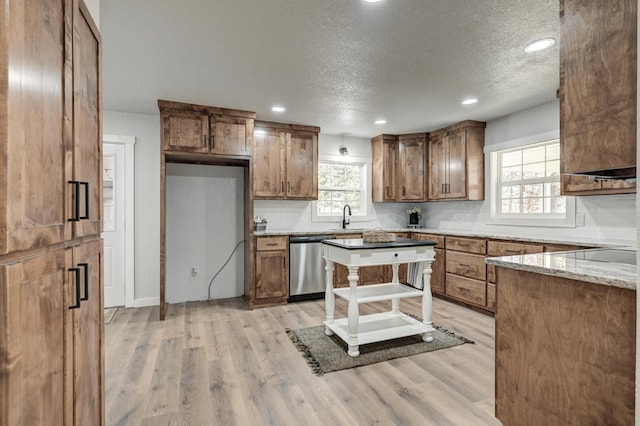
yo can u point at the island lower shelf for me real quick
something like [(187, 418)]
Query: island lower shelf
[(379, 292), (379, 327)]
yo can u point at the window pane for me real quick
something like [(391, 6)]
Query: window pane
[(533, 170), (533, 155), (558, 205), (552, 189), (511, 158), (532, 205), (511, 173), (553, 151), (553, 168), (532, 190), (511, 206), (511, 191)]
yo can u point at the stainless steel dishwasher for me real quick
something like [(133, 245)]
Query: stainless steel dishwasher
[(307, 277)]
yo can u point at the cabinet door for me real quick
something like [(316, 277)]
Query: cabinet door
[(302, 166), (597, 85), (34, 304), (411, 168), (374, 274), (271, 274), (269, 164), (34, 144), (231, 135), (437, 168), (389, 173), (184, 131), (456, 184), (87, 127), (88, 357)]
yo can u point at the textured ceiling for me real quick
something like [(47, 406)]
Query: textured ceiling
[(337, 64)]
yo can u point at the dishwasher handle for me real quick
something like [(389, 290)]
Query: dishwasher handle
[(310, 239)]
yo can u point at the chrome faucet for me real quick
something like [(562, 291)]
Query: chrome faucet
[(345, 219)]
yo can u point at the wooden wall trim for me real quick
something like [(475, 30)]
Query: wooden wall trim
[(163, 104)]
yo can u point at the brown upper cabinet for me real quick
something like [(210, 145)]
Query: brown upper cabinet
[(399, 167), (285, 161), (412, 167), (597, 94), (50, 128), (456, 162), (202, 129), (384, 158)]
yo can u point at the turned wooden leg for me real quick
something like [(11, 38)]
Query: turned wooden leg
[(354, 315), (329, 297), (395, 303), (427, 301)]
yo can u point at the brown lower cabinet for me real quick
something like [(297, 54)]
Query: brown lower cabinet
[(52, 333), (272, 270)]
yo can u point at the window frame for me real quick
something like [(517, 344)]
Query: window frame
[(366, 213), (566, 220)]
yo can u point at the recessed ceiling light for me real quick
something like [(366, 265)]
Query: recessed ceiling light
[(470, 101), (541, 44), (278, 108), (380, 121), (372, 1)]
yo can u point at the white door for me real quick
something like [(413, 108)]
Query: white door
[(114, 224)]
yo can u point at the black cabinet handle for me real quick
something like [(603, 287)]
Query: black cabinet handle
[(77, 277), (76, 214), (213, 141), (85, 268), (86, 200)]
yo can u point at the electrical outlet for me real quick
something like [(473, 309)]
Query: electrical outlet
[(579, 220), (194, 271)]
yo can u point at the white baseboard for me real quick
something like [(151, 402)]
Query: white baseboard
[(148, 301)]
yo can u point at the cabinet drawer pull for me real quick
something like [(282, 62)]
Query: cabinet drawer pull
[(282, 186), (463, 289), (213, 141), (388, 192), (76, 272), (464, 244), (512, 251), (288, 187), (404, 190), (205, 140), (85, 268), (271, 244), (464, 265), (86, 200)]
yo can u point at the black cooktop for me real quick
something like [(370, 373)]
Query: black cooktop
[(606, 255)]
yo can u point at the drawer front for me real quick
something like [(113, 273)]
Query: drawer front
[(562, 247), (467, 290), (466, 265), (491, 297), (438, 239), (468, 245), (501, 248), (491, 273), (347, 236), (271, 243), (394, 256), (403, 234)]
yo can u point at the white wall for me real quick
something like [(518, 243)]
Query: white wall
[(606, 216), (94, 10), (205, 217)]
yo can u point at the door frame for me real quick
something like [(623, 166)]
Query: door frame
[(129, 217)]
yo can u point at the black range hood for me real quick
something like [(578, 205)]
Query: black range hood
[(626, 173)]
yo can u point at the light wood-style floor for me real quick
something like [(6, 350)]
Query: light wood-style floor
[(217, 363)]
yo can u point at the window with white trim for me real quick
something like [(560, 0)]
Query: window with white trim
[(341, 183), (527, 186)]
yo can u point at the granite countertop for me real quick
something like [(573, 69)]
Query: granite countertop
[(586, 242), (616, 270)]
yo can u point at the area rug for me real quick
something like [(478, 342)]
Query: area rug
[(109, 313), (325, 354)]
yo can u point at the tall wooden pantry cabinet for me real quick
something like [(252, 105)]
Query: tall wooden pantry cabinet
[(51, 253)]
